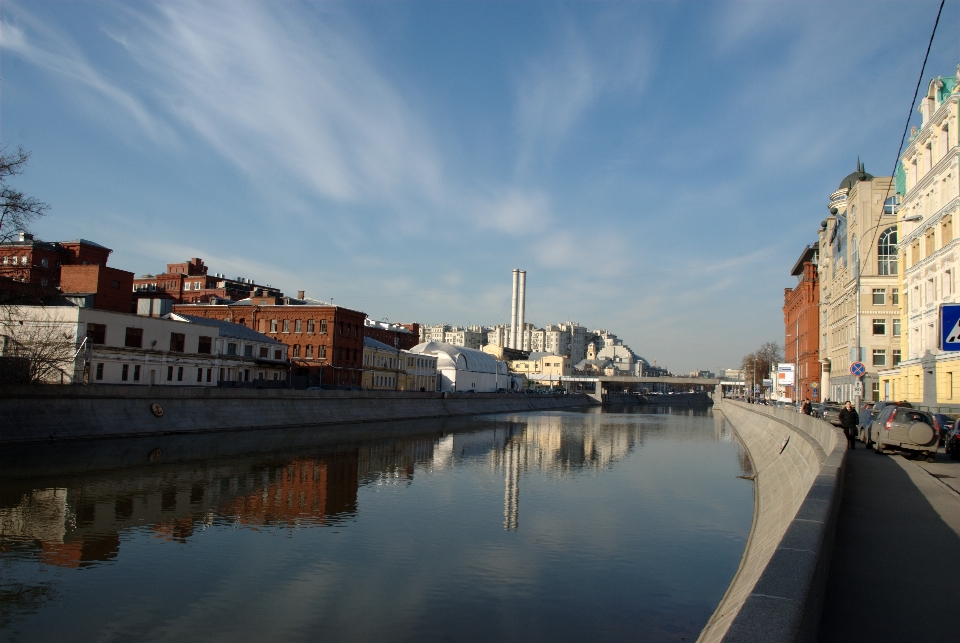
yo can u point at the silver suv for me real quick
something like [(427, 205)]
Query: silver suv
[(904, 430)]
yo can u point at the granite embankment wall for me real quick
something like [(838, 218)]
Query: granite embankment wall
[(44, 413), (677, 399), (798, 463)]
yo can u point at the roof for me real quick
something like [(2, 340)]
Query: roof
[(86, 243), (459, 356), (853, 178), (227, 329), (307, 301), (809, 254), (372, 343), (538, 355)]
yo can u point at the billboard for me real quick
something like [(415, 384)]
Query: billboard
[(785, 374)]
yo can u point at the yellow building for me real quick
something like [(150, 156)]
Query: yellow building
[(388, 369), (929, 251)]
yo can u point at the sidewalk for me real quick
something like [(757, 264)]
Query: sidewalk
[(895, 573)]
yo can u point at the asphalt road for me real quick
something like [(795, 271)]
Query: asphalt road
[(895, 570)]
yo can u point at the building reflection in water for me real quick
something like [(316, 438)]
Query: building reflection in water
[(79, 521)]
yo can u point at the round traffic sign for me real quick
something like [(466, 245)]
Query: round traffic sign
[(857, 369)]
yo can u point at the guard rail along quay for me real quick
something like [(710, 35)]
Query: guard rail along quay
[(45, 413), (798, 466)]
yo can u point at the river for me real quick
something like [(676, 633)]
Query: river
[(618, 524)]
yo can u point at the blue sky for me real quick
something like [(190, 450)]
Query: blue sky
[(656, 167)]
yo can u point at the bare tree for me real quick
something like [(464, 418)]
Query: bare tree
[(35, 350), (18, 210), (756, 365)]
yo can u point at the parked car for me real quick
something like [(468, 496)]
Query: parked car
[(830, 412), (951, 444), (866, 420), (904, 429), (944, 425)]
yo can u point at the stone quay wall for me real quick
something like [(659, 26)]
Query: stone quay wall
[(798, 463), (45, 413)]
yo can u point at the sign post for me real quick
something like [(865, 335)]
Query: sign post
[(858, 370)]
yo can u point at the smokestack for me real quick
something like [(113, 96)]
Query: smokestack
[(520, 306), (512, 340), (300, 294)]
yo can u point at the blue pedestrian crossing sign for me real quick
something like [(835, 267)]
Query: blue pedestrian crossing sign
[(950, 327), (857, 369)]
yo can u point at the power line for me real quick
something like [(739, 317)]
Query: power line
[(906, 127)]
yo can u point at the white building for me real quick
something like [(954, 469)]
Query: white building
[(68, 344), (465, 369)]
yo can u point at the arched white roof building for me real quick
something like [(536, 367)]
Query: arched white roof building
[(463, 369)]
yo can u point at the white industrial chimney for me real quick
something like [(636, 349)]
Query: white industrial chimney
[(520, 308), (512, 340)]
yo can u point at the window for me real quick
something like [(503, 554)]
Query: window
[(298, 326), (876, 391), (179, 373), (220, 379), (209, 374), (946, 283), (273, 325), (263, 352), (879, 296), (895, 296), (946, 231), (231, 348), (879, 326), (309, 352), (931, 293), (879, 357), (169, 373), (887, 252), (136, 372), (896, 327), (134, 338), (116, 285), (278, 354), (286, 325), (205, 345), (177, 341), (44, 263), (97, 333), (310, 326), (248, 350), (124, 372), (23, 260), (323, 326), (199, 374), (341, 328), (99, 372), (296, 350), (322, 352)]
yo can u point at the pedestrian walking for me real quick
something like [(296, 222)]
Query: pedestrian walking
[(807, 407), (848, 422)]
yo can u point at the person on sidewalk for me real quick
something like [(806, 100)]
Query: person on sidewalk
[(848, 422), (806, 407)]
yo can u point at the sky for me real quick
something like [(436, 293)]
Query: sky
[(655, 167)]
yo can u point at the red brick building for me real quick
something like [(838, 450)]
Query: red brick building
[(801, 318), (403, 336), (189, 282), (32, 269), (325, 341)]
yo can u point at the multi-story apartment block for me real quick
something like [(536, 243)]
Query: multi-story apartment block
[(470, 337), (859, 287), (433, 332), (929, 182), (801, 319)]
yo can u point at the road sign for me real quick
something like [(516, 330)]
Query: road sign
[(950, 327), (814, 386), (857, 369), (858, 389)]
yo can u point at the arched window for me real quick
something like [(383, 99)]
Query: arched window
[(887, 252)]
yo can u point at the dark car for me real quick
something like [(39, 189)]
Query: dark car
[(944, 424), (902, 429), (830, 412), (951, 444)]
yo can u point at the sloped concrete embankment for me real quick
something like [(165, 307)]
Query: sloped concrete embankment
[(777, 592), (31, 414)]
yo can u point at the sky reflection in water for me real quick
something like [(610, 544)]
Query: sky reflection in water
[(552, 526)]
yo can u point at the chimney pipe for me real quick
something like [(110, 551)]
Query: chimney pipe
[(512, 340), (522, 304), (300, 294)]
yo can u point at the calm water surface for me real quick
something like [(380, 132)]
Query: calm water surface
[(560, 526)]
